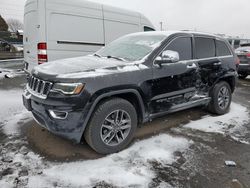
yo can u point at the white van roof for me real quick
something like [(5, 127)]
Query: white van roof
[(99, 6)]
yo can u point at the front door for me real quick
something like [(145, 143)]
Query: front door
[(174, 82)]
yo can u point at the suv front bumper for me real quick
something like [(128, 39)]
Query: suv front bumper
[(71, 126)]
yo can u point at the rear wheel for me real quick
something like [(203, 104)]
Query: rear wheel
[(221, 96), (243, 76), (112, 126)]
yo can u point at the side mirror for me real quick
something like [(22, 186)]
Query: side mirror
[(167, 56)]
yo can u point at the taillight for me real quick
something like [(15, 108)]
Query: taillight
[(248, 54), (42, 53)]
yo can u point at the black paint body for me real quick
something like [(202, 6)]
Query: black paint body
[(153, 90)]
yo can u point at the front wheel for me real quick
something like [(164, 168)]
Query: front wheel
[(221, 96), (112, 126)]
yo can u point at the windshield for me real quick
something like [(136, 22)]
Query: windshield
[(131, 47)]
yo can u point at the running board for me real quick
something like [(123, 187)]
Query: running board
[(180, 107)]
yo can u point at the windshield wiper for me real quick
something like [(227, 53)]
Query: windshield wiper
[(117, 58), (97, 55)]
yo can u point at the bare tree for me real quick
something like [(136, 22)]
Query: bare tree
[(3, 24), (14, 25)]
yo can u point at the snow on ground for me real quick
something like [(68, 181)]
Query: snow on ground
[(12, 111), (8, 73), (130, 167), (228, 124)]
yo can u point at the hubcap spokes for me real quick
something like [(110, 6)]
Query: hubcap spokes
[(223, 98), (115, 128)]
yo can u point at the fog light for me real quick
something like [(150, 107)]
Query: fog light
[(58, 114)]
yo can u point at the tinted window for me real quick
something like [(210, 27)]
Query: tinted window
[(236, 44), (205, 47), (148, 28), (222, 49), (183, 46)]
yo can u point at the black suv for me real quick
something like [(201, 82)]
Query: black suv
[(103, 97)]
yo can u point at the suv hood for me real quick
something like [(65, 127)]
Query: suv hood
[(86, 66)]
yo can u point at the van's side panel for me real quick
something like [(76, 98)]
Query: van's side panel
[(119, 22), (73, 29), (42, 35)]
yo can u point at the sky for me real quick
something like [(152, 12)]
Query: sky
[(230, 17)]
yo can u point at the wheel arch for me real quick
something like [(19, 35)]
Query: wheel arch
[(131, 95), (230, 79)]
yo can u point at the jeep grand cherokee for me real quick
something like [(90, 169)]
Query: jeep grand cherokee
[(103, 97)]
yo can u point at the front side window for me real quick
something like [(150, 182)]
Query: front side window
[(146, 28), (222, 49), (183, 46), (204, 47), (132, 47)]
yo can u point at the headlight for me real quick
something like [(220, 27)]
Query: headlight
[(68, 88)]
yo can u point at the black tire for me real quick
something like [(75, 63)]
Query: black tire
[(94, 131), (214, 105), (243, 76)]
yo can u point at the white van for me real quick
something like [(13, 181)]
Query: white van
[(56, 29)]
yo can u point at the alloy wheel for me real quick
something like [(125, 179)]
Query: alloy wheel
[(223, 97), (115, 128)]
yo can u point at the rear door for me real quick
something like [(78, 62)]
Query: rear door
[(209, 64), (30, 32), (172, 81)]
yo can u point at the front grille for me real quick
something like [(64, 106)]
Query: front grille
[(39, 87)]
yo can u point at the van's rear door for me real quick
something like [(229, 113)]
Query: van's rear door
[(30, 39)]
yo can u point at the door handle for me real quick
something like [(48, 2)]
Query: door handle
[(28, 52), (193, 66), (217, 63)]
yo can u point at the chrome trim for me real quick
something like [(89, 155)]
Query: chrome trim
[(38, 87), (36, 94), (53, 114)]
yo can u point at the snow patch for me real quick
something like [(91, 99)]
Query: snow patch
[(106, 71), (12, 111), (130, 167), (11, 103), (8, 73), (5, 184), (11, 125), (224, 124)]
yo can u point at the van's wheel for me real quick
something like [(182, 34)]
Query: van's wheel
[(112, 126), (221, 96), (243, 76)]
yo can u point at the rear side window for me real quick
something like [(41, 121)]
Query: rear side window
[(236, 44), (204, 47), (146, 28), (183, 46), (222, 49)]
